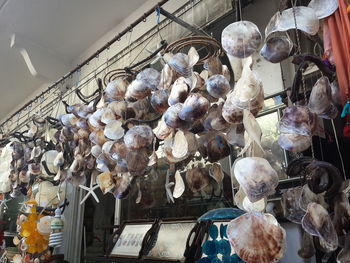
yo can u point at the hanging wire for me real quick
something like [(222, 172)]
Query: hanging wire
[(339, 152)]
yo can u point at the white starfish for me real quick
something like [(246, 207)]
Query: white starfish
[(90, 191)]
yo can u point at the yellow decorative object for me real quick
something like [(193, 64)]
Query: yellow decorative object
[(35, 241)]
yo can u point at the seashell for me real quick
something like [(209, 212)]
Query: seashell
[(138, 89), (341, 218), (195, 107), (307, 248), (33, 129), (239, 197), (168, 150), (218, 148), (180, 145), (216, 172), (77, 164), (257, 237), (258, 206), (241, 39), (119, 108), (226, 72), (218, 86), (235, 135), (106, 148), (119, 150), (166, 77), (24, 176), (34, 168), (179, 91), (122, 186), (252, 128), (320, 101), (296, 120), (97, 137), (323, 8), (159, 100), (36, 152), (116, 89), (307, 197), (179, 187), (108, 116), (137, 162), (183, 63), (256, 185), (172, 119), (49, 158), (102, 163), (96, 150), (213, 65), (305, 17), (114, 130), (105, 182), (294, 142), (150, 76), (277, 49), (138, 137), (162, 130), (214, 119), (95, 118), (290, 204), (198, 82), (68, 120), (83, 134), (317, 222), (197, 179)]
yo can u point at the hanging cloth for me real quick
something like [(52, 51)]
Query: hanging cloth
[(337, 46)]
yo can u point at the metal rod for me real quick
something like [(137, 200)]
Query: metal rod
[(94, 55), (181, 22)]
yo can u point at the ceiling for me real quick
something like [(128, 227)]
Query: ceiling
[(62, 28)]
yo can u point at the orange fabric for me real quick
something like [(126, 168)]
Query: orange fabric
[(339, 30)]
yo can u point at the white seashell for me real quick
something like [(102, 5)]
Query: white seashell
[(96, 150), (179, 187), (179, 91), (180, 145), (138, 137), (116, 89), (239, 198), (323, 8), (108, 116), (218, 86), (162, 130), (49, 157), (114, 130), (258, 206), (241, 39), (59, 160)]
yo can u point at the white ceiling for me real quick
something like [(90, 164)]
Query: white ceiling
[(63, 27)]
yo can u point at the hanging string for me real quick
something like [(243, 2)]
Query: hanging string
[(339, 152)]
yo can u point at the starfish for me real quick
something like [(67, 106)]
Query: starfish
[(3, 203), (90, 191)]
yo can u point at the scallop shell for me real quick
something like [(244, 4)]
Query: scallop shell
[(255, 184), (257, 237), (306, 19), (150, 76), (116, 89), (241, 39), (218, 86), (105, 182), (172, 119), (258, 206), (323, 8), (138, 137), (290, 205), (194, 108), (114, 130), (277, 48), (179, 187), (317, 222), (179, 91), (159, 100), (197, 179), (294, 142)]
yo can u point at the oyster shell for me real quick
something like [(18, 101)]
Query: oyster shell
[(241, 39), (307, 197), (159, 100), (213, 65), (116, 89), (114, 130), (218, 86), (296, 120), (317, 222), (138, 89), (256, 185), (290, 204), (183, 63), (137, 162), (179, 187), (180, 145), (214, 119), (277, 49), (258, 206), (122, 186), (294, 142), (194, 107), (172, 119), (150, 76), (138, 137), (218, 148), (323, 8), (166, 77), (197, 179), (179, 91), (257, 237)]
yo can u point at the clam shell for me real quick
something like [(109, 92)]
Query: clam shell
[(114, 130), (150, 76), (68, 120), (277, 49), (116, 89), (257, 237), (179, 91), (105, 182), (294, 142), (194, 108), (95, 118), (255, 184), (218, 86), (108, 116), (317, 222), (119, 151), (97, 137), (159, 100), (96, 150), (290, 205), (138, 137), (296, 120), (172, 119), (179, 187), (323, 8), (119, 108), (138, 89), (241, 39), (306, 18), (102, 163), (122, 186), (258, 206), (197, 179)]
